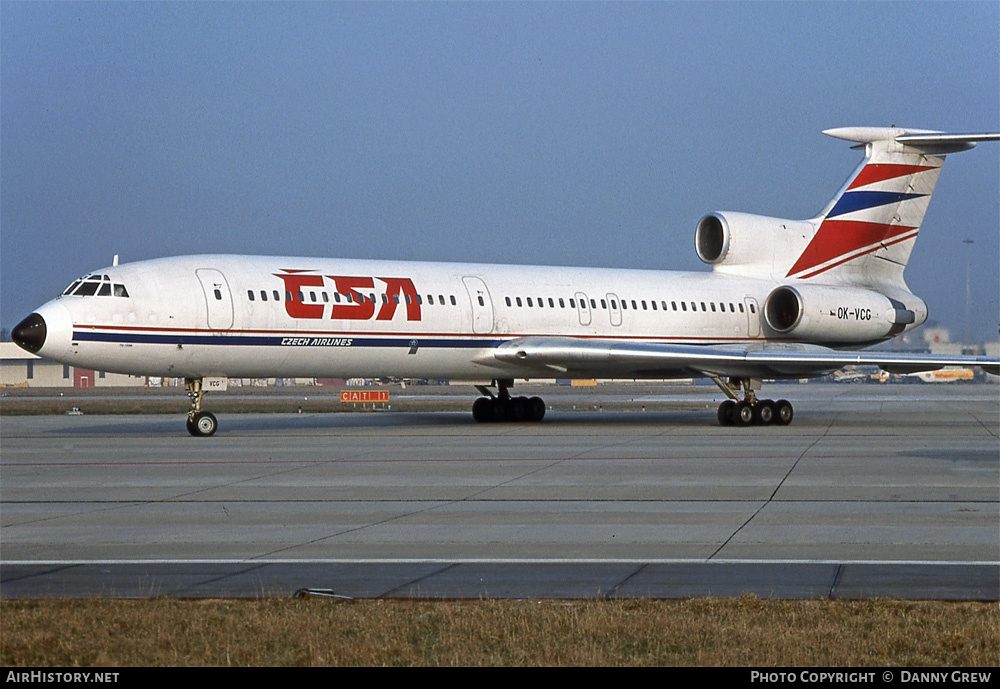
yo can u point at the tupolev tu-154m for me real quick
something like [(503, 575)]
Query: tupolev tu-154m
[(784, 299)]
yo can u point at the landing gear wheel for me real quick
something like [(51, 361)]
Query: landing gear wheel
[(496, 411), (783, 412), (481, 409), (203, 424), (536, 409), (726, 413), (742, 414), (764, 412), (517, 409)]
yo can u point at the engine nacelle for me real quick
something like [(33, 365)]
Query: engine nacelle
[(741, 243), (839, 315)]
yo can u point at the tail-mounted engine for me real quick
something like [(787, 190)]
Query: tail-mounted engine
[(753, 245), (839, 315)]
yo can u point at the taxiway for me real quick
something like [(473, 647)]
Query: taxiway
[(888, 491)]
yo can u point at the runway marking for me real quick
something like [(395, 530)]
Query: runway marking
[(427, 460), (498, 561)]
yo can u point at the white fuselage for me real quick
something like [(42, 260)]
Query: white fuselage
[(241, 316)]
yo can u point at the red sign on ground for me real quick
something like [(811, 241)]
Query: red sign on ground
[(364, 396)]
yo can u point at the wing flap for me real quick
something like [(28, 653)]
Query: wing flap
[(625, 358)]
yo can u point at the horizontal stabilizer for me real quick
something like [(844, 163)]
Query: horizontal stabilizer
[(928, 140)]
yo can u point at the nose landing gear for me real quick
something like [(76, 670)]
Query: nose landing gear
[(199, 423), (750, 410)]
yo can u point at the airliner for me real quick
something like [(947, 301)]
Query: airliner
[(783, 299)]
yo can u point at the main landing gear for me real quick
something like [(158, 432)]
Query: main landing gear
[(503, 407), (199, 423), (750, 410)]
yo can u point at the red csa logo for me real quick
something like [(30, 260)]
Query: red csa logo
[(359, 306)]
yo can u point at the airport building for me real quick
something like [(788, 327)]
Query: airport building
[(19, 368)]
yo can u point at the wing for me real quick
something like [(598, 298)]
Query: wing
[(571, 357)]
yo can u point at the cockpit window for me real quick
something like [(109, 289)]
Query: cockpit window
[(96, 285), (87, 288)]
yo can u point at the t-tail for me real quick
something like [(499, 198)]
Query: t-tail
[(866, 233)]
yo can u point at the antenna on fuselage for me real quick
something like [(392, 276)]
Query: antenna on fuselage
[(114, 261)]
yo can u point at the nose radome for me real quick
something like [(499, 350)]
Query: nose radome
[(30, 333)]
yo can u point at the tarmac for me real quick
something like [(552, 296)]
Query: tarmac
[(887, 491)]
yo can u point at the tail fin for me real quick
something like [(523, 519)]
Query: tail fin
[(866, 233)]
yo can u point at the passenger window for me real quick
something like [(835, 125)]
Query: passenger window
[(572, 303), (275, 295), (741, 308), (453, 302), (218, 294), (644, 305), (593, 304), (518, 300), (430, 300), (713, 306), (562, 304), (481, 302), (684, 306), (753, 309), (528, 299), (604, 304), (507, 299), (552, 304), (250, 294)]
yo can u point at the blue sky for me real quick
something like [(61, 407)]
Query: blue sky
[(562, 133)]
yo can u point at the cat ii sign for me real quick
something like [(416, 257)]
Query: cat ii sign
[(364, 396)]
